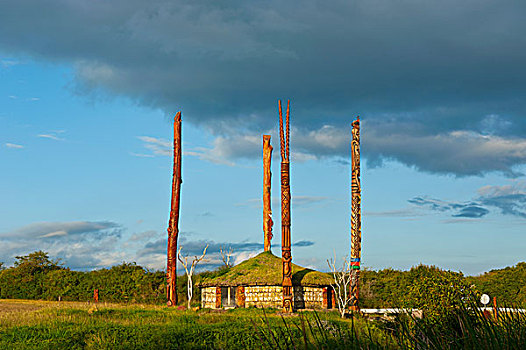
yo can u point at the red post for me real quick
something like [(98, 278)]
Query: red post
[(218, 297), (173, 224), (240, 296)]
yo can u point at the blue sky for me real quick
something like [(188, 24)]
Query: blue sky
[(88, 93)]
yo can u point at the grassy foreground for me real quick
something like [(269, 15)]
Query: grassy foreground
[(76, 325)]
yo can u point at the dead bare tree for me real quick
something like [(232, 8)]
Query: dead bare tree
[(189, 268), (342, 280), (226, 255)]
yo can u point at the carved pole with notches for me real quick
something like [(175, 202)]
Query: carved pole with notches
[(173, 223), (286, 256), (267, 209), (356, 215)]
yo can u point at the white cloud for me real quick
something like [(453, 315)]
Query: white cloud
[(95, 73), (144, 236), (305, 145), (242, 256), (8, 63), (225, 149), (516, 187), (82, 245), (457, 152), (142, 155), (51, 136), (77, 230), (13, 145), (510, 199), (158, 146), (54, 234)]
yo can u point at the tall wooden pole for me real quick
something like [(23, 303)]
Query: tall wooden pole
[(286, 256), (356, 214), (267, 209), (173, 223)]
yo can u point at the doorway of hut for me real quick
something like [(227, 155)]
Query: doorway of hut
[(228, 297)]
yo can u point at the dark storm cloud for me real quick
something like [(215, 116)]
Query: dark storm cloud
[(508, 199), (435, 82), (434, 204), (464, 210), (471, 211), (303, 243), (196, 247), (514, 204)]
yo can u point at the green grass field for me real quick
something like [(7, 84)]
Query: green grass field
[(76, 325)]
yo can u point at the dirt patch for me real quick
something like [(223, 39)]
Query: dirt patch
[(8, 307)]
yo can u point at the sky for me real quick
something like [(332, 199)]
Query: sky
[(88, 92)]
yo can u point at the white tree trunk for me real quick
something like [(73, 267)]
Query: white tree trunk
[(190, 271)]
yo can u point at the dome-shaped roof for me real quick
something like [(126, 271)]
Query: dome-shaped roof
[(265, 269)]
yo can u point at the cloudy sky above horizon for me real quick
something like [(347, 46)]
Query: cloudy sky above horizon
[(88, 92)]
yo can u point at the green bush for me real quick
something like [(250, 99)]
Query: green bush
[(35, 276)]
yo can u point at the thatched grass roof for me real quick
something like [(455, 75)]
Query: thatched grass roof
[(263, 270)]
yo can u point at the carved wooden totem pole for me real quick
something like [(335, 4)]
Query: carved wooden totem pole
[(286, 256), (267, 209), (356, 224), (173, 223)]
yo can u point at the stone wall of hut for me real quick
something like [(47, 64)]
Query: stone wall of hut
[(270, 296), (264, 296), (208, 297)]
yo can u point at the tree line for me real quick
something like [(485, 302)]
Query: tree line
[(37, 276)]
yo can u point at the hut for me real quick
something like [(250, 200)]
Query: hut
[(257, 282)]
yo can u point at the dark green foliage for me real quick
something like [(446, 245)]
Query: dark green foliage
[(35, 276), (508, 284), (383, 288), (394, 288), (437, 292), (26, 279)]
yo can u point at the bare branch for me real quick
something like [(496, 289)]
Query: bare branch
[(226, 256), (342, 279), (190, 272)]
